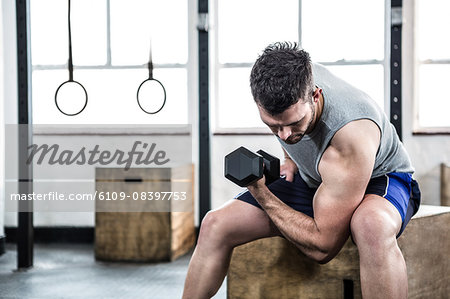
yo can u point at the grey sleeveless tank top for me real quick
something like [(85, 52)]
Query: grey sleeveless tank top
[(344, 103)]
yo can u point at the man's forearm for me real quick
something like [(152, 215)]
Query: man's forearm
[(297, 227)]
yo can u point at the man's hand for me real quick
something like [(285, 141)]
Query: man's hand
[(288, 169), (257, 186)]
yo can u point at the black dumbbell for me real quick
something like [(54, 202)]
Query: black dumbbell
[(244, 167)]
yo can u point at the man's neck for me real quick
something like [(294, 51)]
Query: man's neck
[(318, 108)]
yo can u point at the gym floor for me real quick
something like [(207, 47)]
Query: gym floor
[(71, 271)]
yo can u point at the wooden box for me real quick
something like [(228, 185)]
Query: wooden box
[(140, 228), (274, 268)]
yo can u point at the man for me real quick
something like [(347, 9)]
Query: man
[(346, 174)]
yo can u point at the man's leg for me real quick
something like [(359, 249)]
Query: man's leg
[(235, 223), (374, 227)]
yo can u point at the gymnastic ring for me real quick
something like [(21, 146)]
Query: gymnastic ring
[(56, 98), (137, 96)]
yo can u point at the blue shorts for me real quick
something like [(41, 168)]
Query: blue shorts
[(398, 188)]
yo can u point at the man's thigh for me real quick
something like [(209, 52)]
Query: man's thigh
[(400, 191), (238, 222)]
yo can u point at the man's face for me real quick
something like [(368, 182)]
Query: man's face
[(292, 124)]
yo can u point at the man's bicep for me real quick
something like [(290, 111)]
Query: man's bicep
[(336, 200), (345, 168), (334, 203), (347, 164)]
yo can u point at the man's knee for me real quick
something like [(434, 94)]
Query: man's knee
[(214, 228), (373, 229)]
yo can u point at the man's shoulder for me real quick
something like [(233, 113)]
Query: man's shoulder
[(352, 150), (357, 136)]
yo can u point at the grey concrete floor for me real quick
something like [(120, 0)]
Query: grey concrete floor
[(71, 271)]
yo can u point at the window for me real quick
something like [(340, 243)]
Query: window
[(110, 44), (433, 64), (351, 43)]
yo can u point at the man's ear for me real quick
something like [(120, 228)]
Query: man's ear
[(316, 95)]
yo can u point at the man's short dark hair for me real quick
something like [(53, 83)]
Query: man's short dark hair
[(281, 76)]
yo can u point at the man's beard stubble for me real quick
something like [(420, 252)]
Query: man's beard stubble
[(296, 138)]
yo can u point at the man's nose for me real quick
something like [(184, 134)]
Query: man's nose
[(284, 133)]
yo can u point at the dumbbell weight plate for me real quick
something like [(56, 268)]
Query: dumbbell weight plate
[(243, 167), (271, 167)]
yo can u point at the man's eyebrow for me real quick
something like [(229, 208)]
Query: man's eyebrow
[(295, 122), (291, 124)]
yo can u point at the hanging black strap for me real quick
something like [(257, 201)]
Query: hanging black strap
[(150, 63), (70, 44)]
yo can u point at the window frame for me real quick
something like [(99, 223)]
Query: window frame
[(189, 66), (411, 10), (417, 128), (216, 66)]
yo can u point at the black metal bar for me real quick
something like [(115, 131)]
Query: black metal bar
[(25, 215), (348, 289), (396, 3), (2, 244), (204, 131), (396, 66), (55, 234)]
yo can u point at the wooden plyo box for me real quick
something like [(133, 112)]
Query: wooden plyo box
[(141, 228), (275, 268)]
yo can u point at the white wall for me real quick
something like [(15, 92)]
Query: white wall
[(2, 137), (80, 179), (9, 90)]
